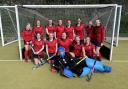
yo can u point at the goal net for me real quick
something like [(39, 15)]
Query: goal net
[(106, 13), (8, 25)]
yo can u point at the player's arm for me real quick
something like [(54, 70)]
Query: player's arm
[(55, 31), (56, 48), (23, 35), (47, 30), (40, 49), (102, 36), (47, 50), (74, 33), (83, 51)]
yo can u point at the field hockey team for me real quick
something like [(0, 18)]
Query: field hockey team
[(75, 41)]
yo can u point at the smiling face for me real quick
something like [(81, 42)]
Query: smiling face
[(51, 36), (98, 23), (69, 22), (88, 40), (38, 23), (28, 26), (50, 22), (77, 39), (38, 35), (60, 22), (90, 23), (64, 35), (78, 20)]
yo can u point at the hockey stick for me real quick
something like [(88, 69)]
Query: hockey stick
[(79, 62), (51, 57), (92, 72)]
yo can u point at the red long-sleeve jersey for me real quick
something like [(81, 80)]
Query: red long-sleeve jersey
[(27, 35), (98, 34), (79, 30), (89, 49), (89, 31), (77, 49)]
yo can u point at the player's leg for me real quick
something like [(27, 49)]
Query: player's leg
[(26, 53)]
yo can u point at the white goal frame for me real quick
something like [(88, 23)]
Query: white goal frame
[(67, 6), (118, 24)]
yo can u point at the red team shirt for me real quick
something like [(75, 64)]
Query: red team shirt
[(98, 34), (79, 30), (38, 30), (37, 45), (59, 31), (27, 35), (77, 50), (89, 50), (89, 31), (51, 46), (65, 43), (69, 32), (51, 29)]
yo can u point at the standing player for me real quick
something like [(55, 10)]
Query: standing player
[(27, 37), (79, 29), (38, 47), (59, 29), (98, 36), (65, 42), (38, 29), (50, 28), (89, 30), (51, 45), (69, 30)]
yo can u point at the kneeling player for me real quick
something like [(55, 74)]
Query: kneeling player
[(51, 46), (38, 47), (77, 47), (90, 50), (65, 42)]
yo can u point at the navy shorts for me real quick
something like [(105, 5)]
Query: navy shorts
[(96, 43), (41, 55)]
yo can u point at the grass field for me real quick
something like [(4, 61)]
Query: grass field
[(19, 75)]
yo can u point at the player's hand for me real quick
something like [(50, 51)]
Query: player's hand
[(35, 52), (102, 44), (27, 43), (30, 42)]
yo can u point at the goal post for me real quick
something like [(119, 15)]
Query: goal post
[(18, 31), (118, 24)]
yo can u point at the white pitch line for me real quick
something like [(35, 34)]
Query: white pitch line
[(116, 61), (120, 61), (9, 60)]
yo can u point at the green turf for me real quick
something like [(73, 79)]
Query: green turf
[(9, 52), (19, 75)]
